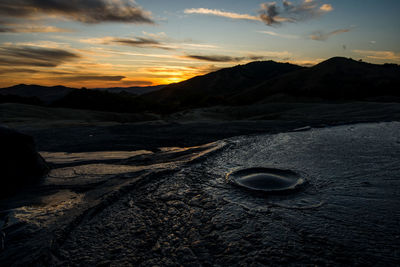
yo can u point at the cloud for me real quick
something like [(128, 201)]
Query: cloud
[(87, 11), (269, 14), (7, 70), (382, 55), (34, 56), (272, 14), (223, 58), (81, 78), (322, 36), (160, 35), (140, 42), (14, 28), (136, 54), (247, 56), (199, 46), (158, 41), (215, 58), (287, 36), (137, 83), (220, 13), (326, 8), (143, 42)]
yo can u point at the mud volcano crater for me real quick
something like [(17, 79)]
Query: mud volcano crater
[(267, 180)]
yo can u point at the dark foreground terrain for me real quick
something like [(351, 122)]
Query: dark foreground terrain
[(123, 192)]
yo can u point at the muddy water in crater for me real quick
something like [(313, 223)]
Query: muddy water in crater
[(359, 161), (266, 180)]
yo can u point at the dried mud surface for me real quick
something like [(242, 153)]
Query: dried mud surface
[(155, 193), (174, 207)]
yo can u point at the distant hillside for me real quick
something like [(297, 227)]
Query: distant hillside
[(136, 90), (338, 79), (100, 100), (215, 88), (39, 95), (43, 93)]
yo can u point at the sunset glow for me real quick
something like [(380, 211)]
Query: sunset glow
[(106, 43)]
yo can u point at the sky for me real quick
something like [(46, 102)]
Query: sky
[(122, 43)]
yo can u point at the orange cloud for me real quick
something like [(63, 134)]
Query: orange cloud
[(326, 8), (321, 36), (19, 28), (380, 55), (13, 55)]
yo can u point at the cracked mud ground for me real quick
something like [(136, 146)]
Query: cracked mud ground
[(175, 208)]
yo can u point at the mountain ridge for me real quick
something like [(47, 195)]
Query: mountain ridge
[(216, 87), (46, 94), (49, 94), (336, 79)]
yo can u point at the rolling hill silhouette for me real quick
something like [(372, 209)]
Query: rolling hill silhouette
[(50, 94), (134, 90), (337, 79), (46, 94), (100, 100), (216, 87)]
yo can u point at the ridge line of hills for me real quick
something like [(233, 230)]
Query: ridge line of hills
[(336, 79)]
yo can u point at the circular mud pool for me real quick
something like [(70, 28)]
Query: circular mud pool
[(266, 180)]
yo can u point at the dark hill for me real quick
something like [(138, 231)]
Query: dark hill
[(40, 95), (336, 79), (100, 100), (43, 93), (215, 88), (135, 90)]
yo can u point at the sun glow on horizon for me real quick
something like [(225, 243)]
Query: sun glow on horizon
[(140, 43)]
